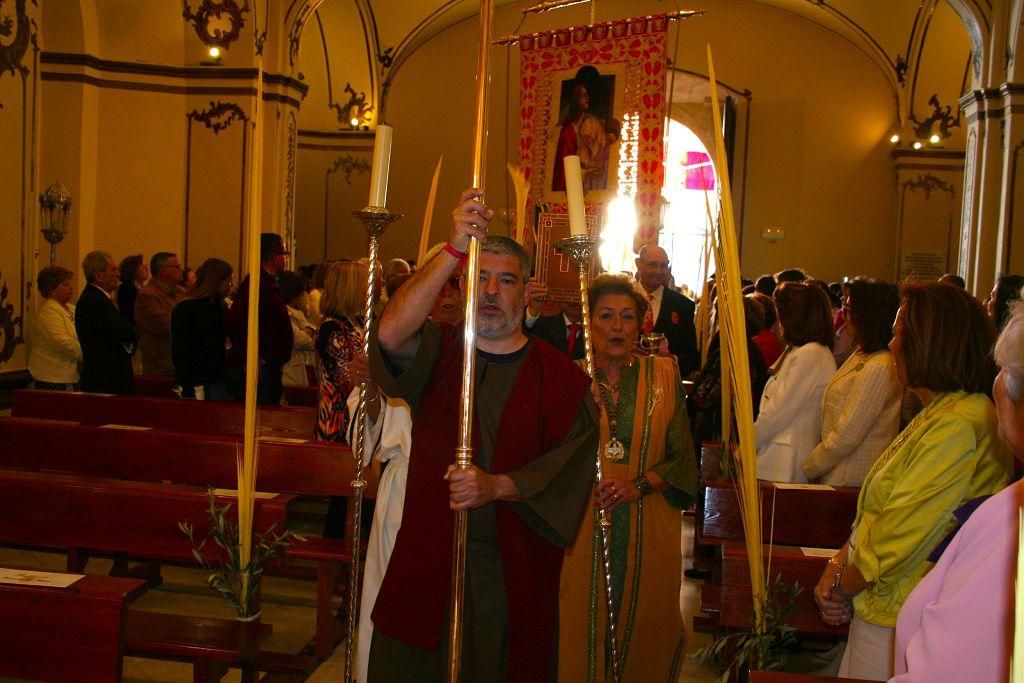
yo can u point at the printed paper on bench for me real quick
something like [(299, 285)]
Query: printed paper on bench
[(136, 428), (804, 487), (283, 439), (27, 577), (818, 552)]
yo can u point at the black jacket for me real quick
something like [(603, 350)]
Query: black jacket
[(198, 341), (108, 342), (675, 321), (552, 329)]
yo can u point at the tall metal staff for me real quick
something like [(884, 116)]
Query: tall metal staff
[(580, 248), (375, 218), (464, 453)]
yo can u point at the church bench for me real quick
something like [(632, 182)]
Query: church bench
[(309, 469), (783, 677), (809, 517), (302, 396), (210, 645), (186, 416), (736, 606), (154, 386), (66, 634)]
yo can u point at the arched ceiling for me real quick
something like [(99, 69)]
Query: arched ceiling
[(921, 47)]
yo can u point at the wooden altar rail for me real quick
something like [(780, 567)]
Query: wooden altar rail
[(66, 634), (187, 417)]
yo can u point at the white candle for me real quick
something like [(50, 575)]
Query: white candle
[(574, 194), (381, 163)]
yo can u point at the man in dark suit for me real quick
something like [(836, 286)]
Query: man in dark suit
[(275, 332), (108, 341), (670, 312), (563, 330)]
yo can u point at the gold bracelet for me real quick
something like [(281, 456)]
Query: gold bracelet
[(644, 485)]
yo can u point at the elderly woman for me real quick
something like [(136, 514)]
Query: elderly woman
[(788, 426), (949, 453), (646, 456), (957, 624), (861, 410), (56, 353)]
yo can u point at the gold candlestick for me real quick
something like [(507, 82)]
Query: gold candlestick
[(375, 219), (581, 249)]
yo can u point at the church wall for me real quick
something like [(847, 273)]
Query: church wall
[(818, 153)]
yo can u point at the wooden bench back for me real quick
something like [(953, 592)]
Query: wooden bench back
[(312, 469), (105, 515), (74, 634), (737, 601), (189, 417), (817, 518)]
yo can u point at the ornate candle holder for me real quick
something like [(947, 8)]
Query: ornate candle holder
[(581, 250), (375, 219)]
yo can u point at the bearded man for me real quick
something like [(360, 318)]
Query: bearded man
[(534, 440)]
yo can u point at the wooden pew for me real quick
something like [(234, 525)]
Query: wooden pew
[(155, 456), (154, 386), (185, 416), (66, 634), (817, 518), (736, 602), (311, 469), (783, 677), (302, 396)]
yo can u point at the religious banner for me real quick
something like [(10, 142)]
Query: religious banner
[(596, 92)]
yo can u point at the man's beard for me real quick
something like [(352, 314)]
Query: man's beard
[(501, 324)]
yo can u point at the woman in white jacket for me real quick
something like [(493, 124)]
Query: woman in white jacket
[(55, 352), (788, 426), (861, 408)]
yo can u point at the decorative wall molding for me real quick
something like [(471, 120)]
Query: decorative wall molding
[(928, 183), (207, 12), (13, 49), (349, 166), (940, 116), (289, 193), (219, 116)]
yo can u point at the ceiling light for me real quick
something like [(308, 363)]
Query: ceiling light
[(215, 52), (935, 139), (895, 139), (917, 144)]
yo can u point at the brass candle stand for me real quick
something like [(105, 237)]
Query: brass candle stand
[(375, 220), (581, 249)]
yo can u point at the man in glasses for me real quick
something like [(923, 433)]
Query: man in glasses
[(534, 437), (153, 313), (275, 333)]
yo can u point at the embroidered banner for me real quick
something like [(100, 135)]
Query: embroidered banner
[(579, 85)]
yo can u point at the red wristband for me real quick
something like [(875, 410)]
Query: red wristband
[(461, 255)]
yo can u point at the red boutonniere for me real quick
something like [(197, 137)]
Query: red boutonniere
[(675, 317)]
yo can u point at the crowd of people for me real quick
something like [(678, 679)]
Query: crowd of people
[(892, 389)]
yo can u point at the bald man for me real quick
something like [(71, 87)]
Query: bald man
[(672, 313)]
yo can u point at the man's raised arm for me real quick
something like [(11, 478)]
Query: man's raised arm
[(398, 333)]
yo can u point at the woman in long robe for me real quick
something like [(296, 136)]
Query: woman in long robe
[(643, 491)]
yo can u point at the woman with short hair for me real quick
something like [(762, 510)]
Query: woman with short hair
[(861, 408), (788, 425), (650, 475), (957, 624), (948, 454), (134, 273), (55, 352)]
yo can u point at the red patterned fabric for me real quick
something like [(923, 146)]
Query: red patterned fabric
[(633, 47)]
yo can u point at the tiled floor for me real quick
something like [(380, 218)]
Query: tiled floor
[(288, 604)]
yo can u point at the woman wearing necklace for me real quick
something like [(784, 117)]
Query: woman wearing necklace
[(338, 339), (650, 474), (948, 454)]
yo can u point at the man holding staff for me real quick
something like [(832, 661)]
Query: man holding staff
[(534, 442)]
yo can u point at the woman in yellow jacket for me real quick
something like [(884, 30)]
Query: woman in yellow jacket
[(948, 454)]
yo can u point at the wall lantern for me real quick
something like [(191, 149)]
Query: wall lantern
[(54, 207)]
